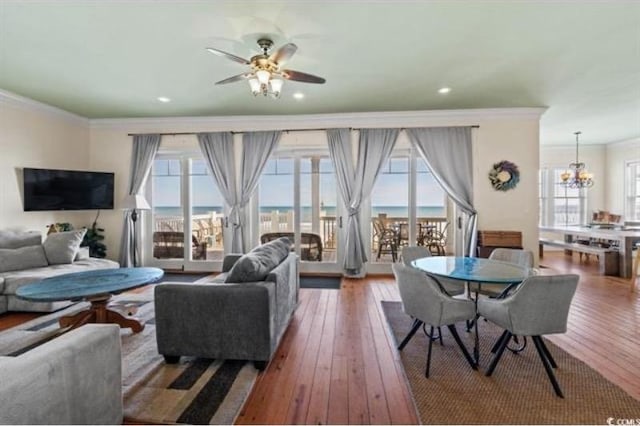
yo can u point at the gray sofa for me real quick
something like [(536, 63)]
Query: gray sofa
[(73, 379), (227, 320), (23, 261)]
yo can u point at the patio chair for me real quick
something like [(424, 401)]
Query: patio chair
[(386, 239), (436, 240), (310, 244), (170, 245), (538, 307)]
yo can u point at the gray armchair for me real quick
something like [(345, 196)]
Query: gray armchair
[(539, 306), (423, 300), (411, 253), (519, 257)]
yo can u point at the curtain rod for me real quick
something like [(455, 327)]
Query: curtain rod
[(475, 126)]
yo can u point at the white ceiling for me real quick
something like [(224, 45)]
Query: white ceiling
[(102, 59)]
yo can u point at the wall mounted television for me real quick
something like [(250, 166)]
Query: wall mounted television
[(47, 190)]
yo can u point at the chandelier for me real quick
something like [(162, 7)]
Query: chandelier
[(577, 175)]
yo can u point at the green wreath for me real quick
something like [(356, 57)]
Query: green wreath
[(504, 176)]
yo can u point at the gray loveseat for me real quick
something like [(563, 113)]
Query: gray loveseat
[(23, 260), (74, 379), (228, 320)]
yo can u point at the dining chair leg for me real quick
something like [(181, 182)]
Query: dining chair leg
[(440, 336), (414, 328), (498, 355), (546, 351), (426, 373), (498, 342), (465, 352), (547, 367)]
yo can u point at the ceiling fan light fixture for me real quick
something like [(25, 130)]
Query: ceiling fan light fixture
[(263, 76), (276, 86), (266, 76), (255, 86)]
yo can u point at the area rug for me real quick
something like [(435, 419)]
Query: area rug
[(321, 282), (519, 391), (195, 391)]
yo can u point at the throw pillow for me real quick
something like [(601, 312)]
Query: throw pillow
[(256, 265), (22, 258), (62, 247), (16, 239)]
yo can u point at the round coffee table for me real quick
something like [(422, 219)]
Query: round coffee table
[(96, 286)]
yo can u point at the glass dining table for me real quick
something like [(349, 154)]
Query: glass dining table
[(467, 270)]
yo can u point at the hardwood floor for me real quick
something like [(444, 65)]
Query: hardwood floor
[(337, 363)]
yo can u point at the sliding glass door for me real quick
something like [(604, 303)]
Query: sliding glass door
[(406, 207), (186, 229), (297, 198)]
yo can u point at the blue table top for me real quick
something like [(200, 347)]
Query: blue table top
[(473, 269), (80, 285)]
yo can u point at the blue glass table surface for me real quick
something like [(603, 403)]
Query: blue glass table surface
[(78, 285), (474, 269)]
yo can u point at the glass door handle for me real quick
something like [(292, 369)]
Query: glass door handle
[(340, 222)]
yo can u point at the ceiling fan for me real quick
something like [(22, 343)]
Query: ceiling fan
[(266, 75)]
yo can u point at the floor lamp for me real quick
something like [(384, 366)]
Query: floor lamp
[(134, 203)]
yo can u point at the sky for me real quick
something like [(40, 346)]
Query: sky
[(277, 185)]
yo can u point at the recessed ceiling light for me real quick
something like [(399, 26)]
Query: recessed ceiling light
[(164, 99), (298, 95), (444, 90)]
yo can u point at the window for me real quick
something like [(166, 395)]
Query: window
[(565, 206), (632, 183)]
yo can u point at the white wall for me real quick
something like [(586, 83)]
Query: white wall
[(617, 155), (504, 134), (35, 135)]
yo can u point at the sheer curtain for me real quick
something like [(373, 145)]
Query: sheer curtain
[(356, 183), (257, 147), (447, 152), (217, 148), (144, 151)]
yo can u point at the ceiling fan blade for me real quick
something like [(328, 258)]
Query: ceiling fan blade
[(283, 54), (302, 76), (228, 56), (235, 78)]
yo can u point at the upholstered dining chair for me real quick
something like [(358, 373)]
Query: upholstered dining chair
[(519, 257), (539, 306), (410, 253), (423, 300)]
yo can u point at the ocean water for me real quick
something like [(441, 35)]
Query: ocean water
[(391, 211)]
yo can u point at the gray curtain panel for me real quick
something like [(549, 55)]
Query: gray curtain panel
[(447, 152), (217, 148), (257, 147), (145, 148), (374, 149)]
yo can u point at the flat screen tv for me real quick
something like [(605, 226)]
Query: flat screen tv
[(46, 189)]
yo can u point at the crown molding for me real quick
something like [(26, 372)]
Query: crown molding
[(626, 143), (14, 100), (321, 121)]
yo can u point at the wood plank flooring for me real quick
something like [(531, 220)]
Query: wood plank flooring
[(348, 370), (337, 363)]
